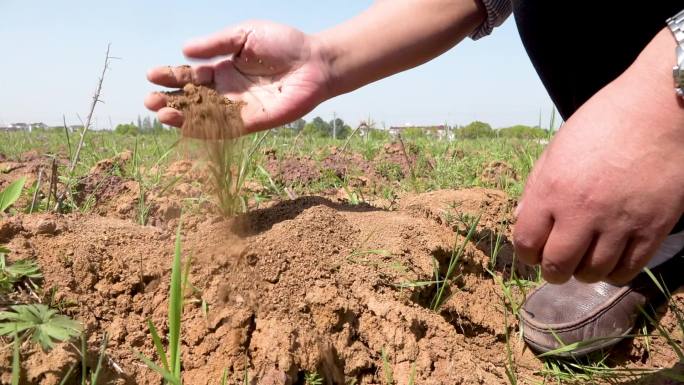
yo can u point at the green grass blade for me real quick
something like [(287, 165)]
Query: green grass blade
[(103, 347), (168, 376), (175, 306), (387, 369), (412, 377), (84, 359), (224, 377), (158, 345), (11, 193), (16, 361), (67, 376), (655, 280)]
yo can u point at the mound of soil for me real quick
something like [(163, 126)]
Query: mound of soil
[(293, 170), (305, 285)]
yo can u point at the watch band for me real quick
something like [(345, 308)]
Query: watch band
[(676, 24)]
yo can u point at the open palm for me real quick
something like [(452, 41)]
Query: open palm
[(277, 71)]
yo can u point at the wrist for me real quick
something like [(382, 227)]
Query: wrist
[(327, 54), (649, 83)]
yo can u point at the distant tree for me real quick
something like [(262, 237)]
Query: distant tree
[(146, 125), (140, 124), (127, 129), (292, 128), (318, 127), (523, 132), (342, 130), (297, 125), (476, 129), (157, 126)]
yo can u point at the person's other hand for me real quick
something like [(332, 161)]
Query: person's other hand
[(610, 186), (277, 71)]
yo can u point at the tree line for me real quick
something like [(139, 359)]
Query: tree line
[(341, 130)]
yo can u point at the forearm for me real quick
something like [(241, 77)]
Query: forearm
[(648, 83), (393, 36)]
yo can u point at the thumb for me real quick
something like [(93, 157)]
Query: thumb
[(229, 41)]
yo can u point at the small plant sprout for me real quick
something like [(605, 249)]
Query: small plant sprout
[(42, 324), (387, 368), (313, 378), (442, 282), (11, 275), (170, 368), (11, 193)]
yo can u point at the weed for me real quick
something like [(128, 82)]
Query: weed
[(230, 163), (16, 360), (390, 171), (170, 368), (11, 193), (676, 311), (11, 275), (313, 378), (387, 368), (42, 324), (456, 255)]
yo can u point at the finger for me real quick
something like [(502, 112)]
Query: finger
[(226, 42), (637, 253), (601, 257), (155, 101), (170, 116), (177, 77), (564, 250), (532, 228)]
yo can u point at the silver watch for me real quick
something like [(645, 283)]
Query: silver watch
[(676, 24)]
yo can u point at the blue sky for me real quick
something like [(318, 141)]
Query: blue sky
[(51, 53)]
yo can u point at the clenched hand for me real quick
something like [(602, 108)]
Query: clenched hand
[(610, 186)]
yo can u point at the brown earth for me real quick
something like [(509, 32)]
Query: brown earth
[(206, 114), (293, 288), (498, 174)]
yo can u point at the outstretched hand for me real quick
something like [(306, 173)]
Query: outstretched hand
[(277, 71)]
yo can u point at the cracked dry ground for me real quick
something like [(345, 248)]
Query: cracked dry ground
[(290, 289)]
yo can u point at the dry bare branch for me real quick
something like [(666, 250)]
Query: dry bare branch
[(86, 126)]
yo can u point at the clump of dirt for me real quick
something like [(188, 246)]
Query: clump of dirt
[(404, 155), (207, 114), (346, 165), (498, 174), (27, 165), (293, 170), (106, 188)]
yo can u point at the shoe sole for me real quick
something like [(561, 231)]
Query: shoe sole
[(584, 350)]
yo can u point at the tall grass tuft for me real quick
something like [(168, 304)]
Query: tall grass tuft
[(170, 368), (231, 161)]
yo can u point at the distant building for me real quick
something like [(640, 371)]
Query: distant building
[(20, 127), (38, 126)]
